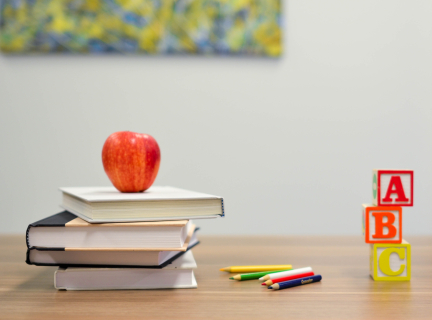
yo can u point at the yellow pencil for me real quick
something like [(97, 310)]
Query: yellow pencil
[(245, 269)]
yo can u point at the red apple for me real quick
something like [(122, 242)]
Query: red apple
[(131, 160)]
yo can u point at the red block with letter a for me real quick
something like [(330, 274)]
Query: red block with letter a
[(393, 188), (382, 224)]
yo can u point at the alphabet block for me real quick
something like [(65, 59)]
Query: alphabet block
[(382, 224), (393, 187), (390, 262)]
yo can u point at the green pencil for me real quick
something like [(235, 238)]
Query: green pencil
[(255, 275)]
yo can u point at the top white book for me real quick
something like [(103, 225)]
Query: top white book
[(107, 204)]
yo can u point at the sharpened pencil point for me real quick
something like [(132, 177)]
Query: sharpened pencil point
[(222, 269), (263, 284), (270, 287), (232, 278)]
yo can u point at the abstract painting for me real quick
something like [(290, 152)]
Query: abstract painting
[(207, 27)]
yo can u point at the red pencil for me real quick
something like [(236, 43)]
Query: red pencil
[(296, 276)]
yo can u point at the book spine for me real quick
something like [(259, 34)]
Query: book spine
[(28, 257), (29, 262), (27, 236)]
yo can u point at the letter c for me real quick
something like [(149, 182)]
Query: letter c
[(384, 261)]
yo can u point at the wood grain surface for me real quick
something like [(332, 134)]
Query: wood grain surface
[(346, 291)]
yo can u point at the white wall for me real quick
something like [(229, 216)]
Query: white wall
[(289, 143)]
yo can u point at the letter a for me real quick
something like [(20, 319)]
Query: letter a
[(379, 225), (395, 182)]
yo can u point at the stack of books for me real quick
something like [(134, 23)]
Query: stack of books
[(106, 240)]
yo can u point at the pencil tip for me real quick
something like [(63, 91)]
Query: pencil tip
[(222, 269), (263, 284), (270, 287), (232, 278)]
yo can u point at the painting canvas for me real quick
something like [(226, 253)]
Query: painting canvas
[(222, 27)]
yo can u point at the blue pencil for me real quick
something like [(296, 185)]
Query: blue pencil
[(295, 282)]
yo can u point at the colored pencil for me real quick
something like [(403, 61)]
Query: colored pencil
[(283, 279), (255, 275), (295, 283), (272, 276), (246, 269)]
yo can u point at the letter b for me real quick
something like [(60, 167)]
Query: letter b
[(382, 224)]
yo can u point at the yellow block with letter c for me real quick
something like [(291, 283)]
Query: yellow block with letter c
[(390, 262)]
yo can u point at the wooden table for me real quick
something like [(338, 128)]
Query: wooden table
[(346, 291)]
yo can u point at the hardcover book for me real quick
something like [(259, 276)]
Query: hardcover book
[(104, 259), (66, 231), (107, 204), (179, 274)]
